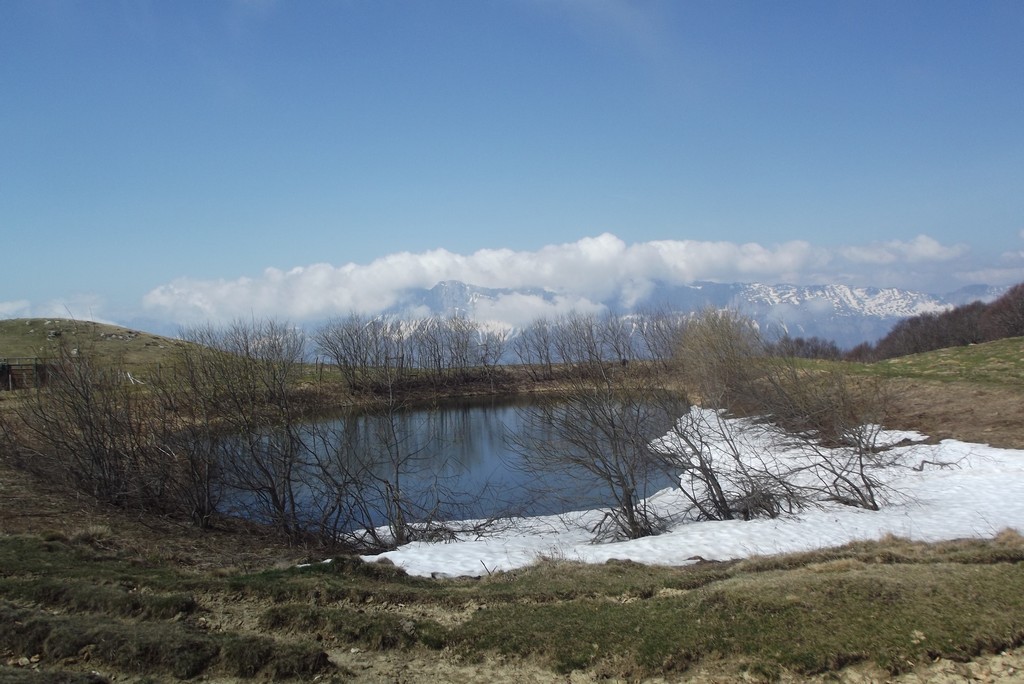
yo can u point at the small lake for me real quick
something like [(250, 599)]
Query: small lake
[(457, 461)]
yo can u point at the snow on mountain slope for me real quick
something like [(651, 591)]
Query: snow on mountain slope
[(844, 300), (846, 315)]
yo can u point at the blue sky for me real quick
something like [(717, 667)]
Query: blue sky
[(190, 159)]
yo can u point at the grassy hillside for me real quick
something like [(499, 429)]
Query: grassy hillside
[(42, 338), (971, 393), (999, 363)]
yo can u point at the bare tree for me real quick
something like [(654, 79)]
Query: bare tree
[(660, 332), (533, 346), (601, 430)]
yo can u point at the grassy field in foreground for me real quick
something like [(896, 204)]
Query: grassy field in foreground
[(81, 602)]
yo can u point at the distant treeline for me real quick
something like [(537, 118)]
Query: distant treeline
[(958, 327), (381, 354)]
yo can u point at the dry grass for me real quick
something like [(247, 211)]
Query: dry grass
[(106, 344)]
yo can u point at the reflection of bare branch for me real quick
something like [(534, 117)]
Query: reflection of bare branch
[(597, 434)]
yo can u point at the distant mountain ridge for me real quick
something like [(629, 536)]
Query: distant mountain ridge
[(844, 314)]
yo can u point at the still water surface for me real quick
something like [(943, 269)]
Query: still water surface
[(471, 454)]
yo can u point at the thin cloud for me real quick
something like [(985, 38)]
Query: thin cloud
[(1009, 268), (921, 249), (17, 308), (577, 275), (83, 307), (635, 27)]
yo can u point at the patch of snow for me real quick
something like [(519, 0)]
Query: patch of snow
[(978, 493)]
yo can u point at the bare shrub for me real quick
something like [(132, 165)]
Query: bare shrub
[(533, 347), (719, 354), (817, 431), (89, 429), (836, 422), (247, 372), (729, 469), (659, 334), (1005, 316), (367, 350)]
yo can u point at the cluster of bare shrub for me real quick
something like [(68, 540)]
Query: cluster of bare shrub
[(826, 422), (586, 343), (379, 354), (227, 427), (745, 431), (382, 354)]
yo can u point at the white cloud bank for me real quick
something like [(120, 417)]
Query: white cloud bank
[(582, 273)]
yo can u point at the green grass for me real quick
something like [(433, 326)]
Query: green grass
[(894, 603), (996, 363), (106, 344), (378, 631), (550, 581), (86, 596), (999, 362), (61, 599), (804, 621), (174, 648), (14, 675), (346, 578)]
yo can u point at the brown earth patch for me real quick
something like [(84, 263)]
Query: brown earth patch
[(985, 414)]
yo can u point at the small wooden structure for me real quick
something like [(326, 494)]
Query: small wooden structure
[(20, 372)]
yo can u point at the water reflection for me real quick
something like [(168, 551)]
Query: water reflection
[(456, 461)]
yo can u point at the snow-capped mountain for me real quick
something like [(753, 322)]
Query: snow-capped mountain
[(846, 315)]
